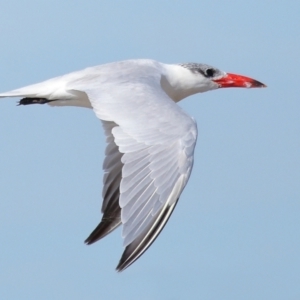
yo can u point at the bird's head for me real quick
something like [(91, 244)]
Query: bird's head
[(192, 78)]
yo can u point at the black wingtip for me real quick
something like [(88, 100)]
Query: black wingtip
[(135, 250), (124, 262), (103, 229)]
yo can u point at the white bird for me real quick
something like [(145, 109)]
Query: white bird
[(150, 139)]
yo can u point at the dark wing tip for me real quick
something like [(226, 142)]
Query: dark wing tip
[(134, 250), (106, 226)]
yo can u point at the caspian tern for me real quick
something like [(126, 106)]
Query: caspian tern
[(150, 139)]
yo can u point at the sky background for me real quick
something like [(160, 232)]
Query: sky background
[(234, 233)]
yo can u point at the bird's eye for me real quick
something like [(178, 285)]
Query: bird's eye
[(209, 72)]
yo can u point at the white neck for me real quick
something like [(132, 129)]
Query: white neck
[(179, 82)]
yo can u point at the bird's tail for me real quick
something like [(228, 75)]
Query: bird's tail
[(18, 93), (46, 89), (30, 95), (35, 90)]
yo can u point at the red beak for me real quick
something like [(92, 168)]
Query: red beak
[(233, 80)]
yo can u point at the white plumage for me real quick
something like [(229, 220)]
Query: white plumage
[(150, 140)]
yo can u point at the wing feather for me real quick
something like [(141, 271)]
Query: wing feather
[(144, 240), (157, 158), (112, 166)]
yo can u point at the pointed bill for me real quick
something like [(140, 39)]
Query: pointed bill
[(234, 80)]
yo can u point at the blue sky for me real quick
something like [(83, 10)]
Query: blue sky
[(234, 233)]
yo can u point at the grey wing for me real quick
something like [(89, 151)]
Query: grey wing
[(153, 178), (156, 141), (112, 167)]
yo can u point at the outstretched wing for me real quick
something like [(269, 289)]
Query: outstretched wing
[(112, 167), (156, 141), (153, 178)]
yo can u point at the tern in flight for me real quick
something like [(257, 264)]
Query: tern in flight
[(150, 139)]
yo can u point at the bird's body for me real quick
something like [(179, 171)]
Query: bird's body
[(150, 139)]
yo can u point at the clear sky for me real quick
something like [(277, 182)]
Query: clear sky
[(234, 233)]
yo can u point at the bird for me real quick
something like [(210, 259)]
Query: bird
[(150, 140)]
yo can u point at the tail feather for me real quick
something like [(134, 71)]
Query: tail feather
[(44, 89), (17, 93)]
